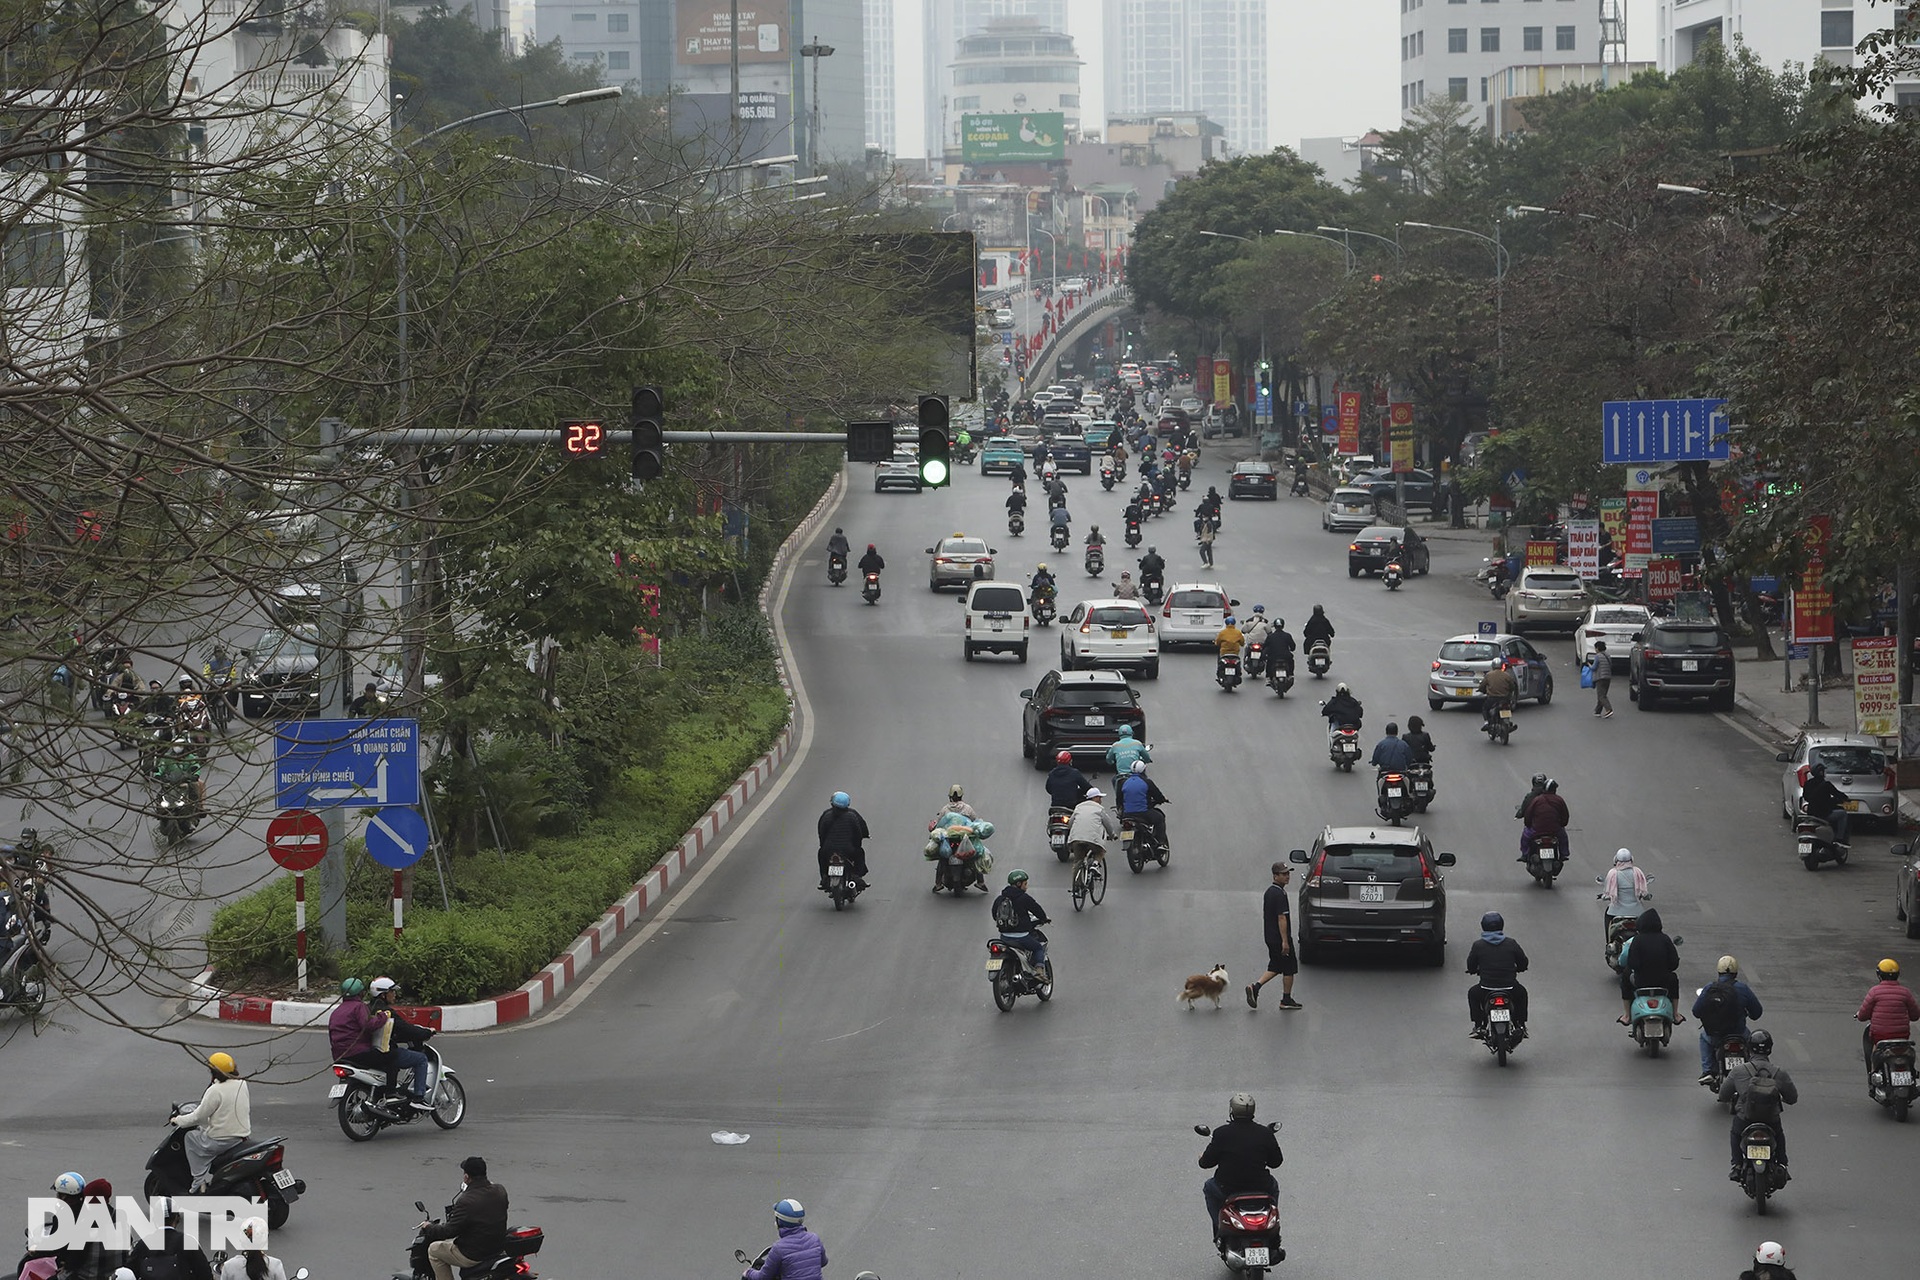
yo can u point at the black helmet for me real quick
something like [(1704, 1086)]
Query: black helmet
[(1553, 786), (1319, 609), (1493, 922), (1761, 1042), (1818, 771)]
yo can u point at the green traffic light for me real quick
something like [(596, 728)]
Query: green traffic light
[(933, 471)]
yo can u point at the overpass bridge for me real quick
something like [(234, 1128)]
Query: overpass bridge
[(1083, 320)]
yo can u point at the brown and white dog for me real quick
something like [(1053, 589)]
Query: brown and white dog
[(1205, 986)]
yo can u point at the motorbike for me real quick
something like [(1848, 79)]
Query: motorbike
[(1186, 474), (509, 1264), (1651, 1020), (1494, 573), (1729, 1051), (841, 887), (836, 568), (28, 898), (1761, 1176), (1155, 505), (1343, 746), (255, 1169), (1319, 659), (1890, 1080), (1227, 672), (1012, 975), (1043, 609), (195, 719), (1393, 800), (871, 591), (1392, 575), (1107, 477), (365, 1106), (1016, 524), (958, 872), (1299, 489), (220, 672), (1256, 659), (1420, 786), (1499, 724), (1154, 588), (1815, 843), (176, 810), (964, 454), (1058, 822), (1619, 929), (1141, 845), (1096, 560), (1280, 676), (1120, 468), (1133, 533), (153, 736), (120, 714), (1060, 537), (23, 980), (1544, 858), (1247, 1235), (1502, 1035)]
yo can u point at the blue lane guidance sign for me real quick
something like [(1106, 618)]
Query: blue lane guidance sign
[(356, 764), (1663, 431), (397, 838), (1675, 536)]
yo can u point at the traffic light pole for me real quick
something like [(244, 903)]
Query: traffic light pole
[(613, 435)]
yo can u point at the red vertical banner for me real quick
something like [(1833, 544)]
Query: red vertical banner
[(1810, 618), (1400, 434), (1349, 443)]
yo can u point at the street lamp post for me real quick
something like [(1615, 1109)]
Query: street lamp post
[(1346, 235), (815, 50), (1309, 235), (1223, 235), (1500, 260)]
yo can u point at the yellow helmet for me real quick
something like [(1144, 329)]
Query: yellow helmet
[(223, 1063), (1889, 968)]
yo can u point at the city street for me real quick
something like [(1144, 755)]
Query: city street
[(930, 1135)]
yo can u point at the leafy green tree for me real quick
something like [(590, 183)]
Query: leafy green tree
[(447, 68)]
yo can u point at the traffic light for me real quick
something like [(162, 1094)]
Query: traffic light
[(1266, 377), (648, 422), (936, 452)]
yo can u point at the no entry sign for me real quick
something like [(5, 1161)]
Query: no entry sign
[(297, 840)]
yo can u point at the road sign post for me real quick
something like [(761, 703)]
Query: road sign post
[(396, 839), (297, 841)]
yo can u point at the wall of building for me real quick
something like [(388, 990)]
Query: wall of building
[(1454, 48), (1512, 86), (1206, 56), (1015, 65), (880, 86), (1778, 31), (944, 22)]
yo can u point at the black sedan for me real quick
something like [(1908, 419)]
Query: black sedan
[(1253, 480), (1372, 548)]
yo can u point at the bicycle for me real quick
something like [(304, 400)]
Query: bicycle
[(1090, 878)]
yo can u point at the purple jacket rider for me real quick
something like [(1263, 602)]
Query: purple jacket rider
[(796, 1255)]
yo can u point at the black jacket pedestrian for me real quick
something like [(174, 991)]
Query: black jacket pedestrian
[(476, 1221), (1066, 786), (869, 563), (1499, 964), (1240, 1153)]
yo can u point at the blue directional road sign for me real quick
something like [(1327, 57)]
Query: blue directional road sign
[(1676, 536), (1663, 431), (357, 764), (397, 838)]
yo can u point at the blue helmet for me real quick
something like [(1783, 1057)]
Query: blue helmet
[(1259, 608), (1126, 731), (840, 801), (790, 1211), (1493, 922)]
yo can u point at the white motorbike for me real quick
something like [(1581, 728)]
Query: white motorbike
[(366, 1105)]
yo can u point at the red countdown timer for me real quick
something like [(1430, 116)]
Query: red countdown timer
[(583, 439)]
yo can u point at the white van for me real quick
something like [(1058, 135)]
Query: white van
[(997, 619)]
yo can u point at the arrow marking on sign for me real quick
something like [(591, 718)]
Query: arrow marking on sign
[(379, 820), (378, 794)]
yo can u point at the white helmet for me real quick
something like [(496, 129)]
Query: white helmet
[(1622, 856), (1771, 1251), (1139, 766)]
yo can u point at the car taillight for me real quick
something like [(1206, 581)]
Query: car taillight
[(1801, 774), (1724, 653), (1353, 546), (1651, 652), (1595, 635), (1166, 610), (1888, 785), (1319, 872), (1435, 666), (1087, 626), (1426, 873)]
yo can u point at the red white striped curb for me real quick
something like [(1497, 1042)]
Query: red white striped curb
[(570, 966)]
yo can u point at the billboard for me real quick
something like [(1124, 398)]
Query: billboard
[(1013, 137), (700, 26), (766, 120)]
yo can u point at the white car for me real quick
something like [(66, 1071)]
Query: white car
[(1192, 407), (1073, 284), (1617, 624), (1347, 509), (1003, 318), (1547, 596), (1110, 633), (997, 620), (1194, 613)]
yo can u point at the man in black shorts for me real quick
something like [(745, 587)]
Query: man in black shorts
[(1277, 915)]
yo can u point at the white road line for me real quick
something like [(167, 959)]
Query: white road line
[(1745, 732)]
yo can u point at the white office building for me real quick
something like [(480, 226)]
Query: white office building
[(1454, 48), (1016, 65), (945, 22), (880, 81), (1182, 56), (1778, 32), (631, 40)]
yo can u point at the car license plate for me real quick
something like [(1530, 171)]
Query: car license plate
[(1500, 1015), (1393, 791), (1903, 1077), (338, 1091), (1806, 847), (1096, 719), (282, 1179), (1460, 692), (834, 873), (1256, 1256), (1373, 893), (1853, 806), (999, 626), (1195, 619), (1757, 1152), (1689, 664), (1118, 633), (993, 965)]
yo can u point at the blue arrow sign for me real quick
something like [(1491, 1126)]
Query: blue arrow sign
[(1633, 431), (356, 764), (397, 838)]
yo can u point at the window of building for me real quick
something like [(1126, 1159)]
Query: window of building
[(1563, 38), (1483, 88), (33, 256), (1836, 29), (616, 22), (1489, 39), (1456, 39), (1419, 44), (1406, 48), (1456, 1), (619, 60), (1457, 88), (1533, 39), (1070, 100), (967, 104), (584, 17)]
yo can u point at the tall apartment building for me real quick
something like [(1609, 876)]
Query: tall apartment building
[(1778, 31), (1454, 48), (1205, 56), (945, 22), (1016, 65), (880, 84), (632, 40)]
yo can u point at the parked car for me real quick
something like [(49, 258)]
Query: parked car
[(1191, 405), (1674, 659), (1419, 485), (997, 620), (280, 671), (1252, 479), (1193, 613), (901, 471), (1455, 675), (1372, 549), (1110, 633), (1367, 885), (1078, 711), (957, 561), (1617, 624), (1347, 508), (1857, 765), (1906, 888), (1546, 596)]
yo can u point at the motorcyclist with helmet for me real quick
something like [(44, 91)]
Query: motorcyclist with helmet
[(1889, 1009), (1066, 785), (219, 1122), (1537, 786), (1318, 627), (1546, 820), (838, 545), (1258, 628), (1153, 566), (1241, 1153), (1769, 1263), (797, 1254), (1418, 740), (843, 831), (1126, 588), (1281, 646), (1126, 749), (1042, 579), (1737, 1088), (1140, 799), (1499, 961), (1744, 1005), (1017, 502), (1499, 689), (1342, 710), (179, 763), (1230, 639), (1825, 801), (872, 561), (1094, 537), (402, 1038), (1026, 915)]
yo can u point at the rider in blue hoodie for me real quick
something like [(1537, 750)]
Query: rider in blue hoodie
[(1122, 754), (797, 1254)]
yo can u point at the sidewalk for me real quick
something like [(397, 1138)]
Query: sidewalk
[(1783, 714)]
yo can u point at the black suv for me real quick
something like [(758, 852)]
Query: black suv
[(1372, 549), (281, 671), (1680, 660), (1372, 885), (1078, 711)]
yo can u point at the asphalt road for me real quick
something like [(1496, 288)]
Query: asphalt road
[(931, 1135)]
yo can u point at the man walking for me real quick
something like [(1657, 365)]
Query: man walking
[(1277, 917), (1601, 663)]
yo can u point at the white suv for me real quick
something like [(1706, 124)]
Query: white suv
[(997, 620), (1547, 596), (1110, 633)]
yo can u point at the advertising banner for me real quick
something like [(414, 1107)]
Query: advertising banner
[(1583, 548), (1663, 579), (1642, 506), (1613, 523), (1203, 377), (1222, 381), (1400, 434), (1542, 554), (1876, 684), (1810, 612), (1013, 137), (701, 28), (1349, 423)]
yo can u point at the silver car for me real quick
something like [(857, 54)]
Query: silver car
[(1348, 508), (957, 561), (1856, 765), (1546, 596), (1464, 661), (901, 471)]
